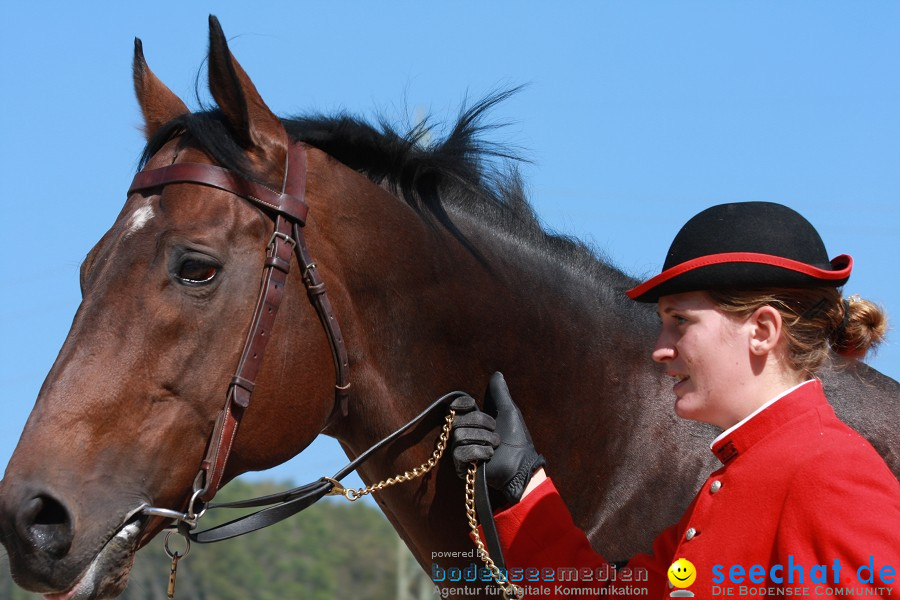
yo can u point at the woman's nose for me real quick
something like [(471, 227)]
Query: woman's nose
[(663, 351)]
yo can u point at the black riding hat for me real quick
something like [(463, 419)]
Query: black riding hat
[(745, 245)]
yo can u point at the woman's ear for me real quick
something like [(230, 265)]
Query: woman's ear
[(766, 327)]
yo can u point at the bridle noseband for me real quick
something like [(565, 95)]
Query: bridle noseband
[(288, 209)]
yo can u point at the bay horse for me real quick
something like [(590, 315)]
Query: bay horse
[(438, 273)]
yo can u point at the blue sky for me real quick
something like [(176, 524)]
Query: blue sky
[(637, 115)]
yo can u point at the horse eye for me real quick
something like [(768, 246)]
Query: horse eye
[(192, 270)]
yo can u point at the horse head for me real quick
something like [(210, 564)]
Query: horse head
[(127, 411)]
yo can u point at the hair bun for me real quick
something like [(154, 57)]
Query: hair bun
[(862, 328)]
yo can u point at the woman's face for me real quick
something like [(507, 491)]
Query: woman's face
[(708, 354)]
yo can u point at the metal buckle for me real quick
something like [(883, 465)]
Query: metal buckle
[(284, 236)]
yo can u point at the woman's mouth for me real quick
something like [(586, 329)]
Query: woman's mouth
[(680, 382)]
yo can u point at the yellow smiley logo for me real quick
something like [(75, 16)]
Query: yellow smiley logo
[(682, 573)]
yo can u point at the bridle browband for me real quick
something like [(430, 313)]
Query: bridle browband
[(288, 209)]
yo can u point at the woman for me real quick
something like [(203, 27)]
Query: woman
[(749, 309)]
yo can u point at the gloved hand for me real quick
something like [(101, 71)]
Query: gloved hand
[(473, 438), (512, 459)]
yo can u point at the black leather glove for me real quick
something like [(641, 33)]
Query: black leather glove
[(473, 438), (512, 459), (516, 459)]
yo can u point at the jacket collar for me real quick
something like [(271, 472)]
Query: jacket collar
[(768, 417)]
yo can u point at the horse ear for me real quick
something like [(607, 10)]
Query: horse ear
[(158, 103), (249, 119)]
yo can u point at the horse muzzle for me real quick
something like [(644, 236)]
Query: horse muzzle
[(38, 530)]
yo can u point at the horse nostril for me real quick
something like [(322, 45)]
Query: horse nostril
[(45, 524)]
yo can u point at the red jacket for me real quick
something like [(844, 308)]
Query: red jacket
[(798, 488)]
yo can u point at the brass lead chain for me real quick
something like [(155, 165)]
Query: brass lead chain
[(355, 494), (510, 590)]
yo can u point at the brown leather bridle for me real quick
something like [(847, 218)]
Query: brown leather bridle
[(288, 209)]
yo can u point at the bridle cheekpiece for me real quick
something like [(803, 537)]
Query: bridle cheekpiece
[(288, 209)]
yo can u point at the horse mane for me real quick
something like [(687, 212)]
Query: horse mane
[(461, 172)]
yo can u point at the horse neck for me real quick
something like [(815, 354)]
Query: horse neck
[(566, 324), (431, 315), (423, 314)]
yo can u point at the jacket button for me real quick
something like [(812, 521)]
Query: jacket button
[(715, 487), (690, 534)]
